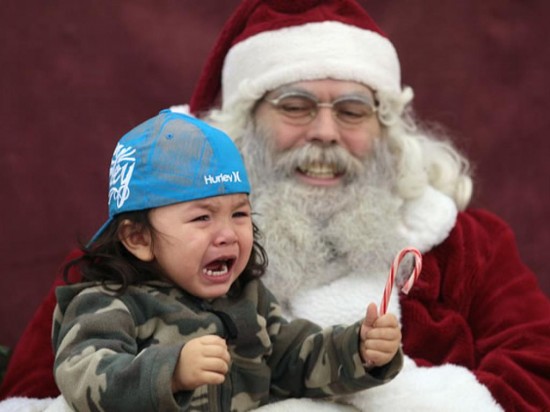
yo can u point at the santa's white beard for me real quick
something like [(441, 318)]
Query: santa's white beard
[(315, 235)]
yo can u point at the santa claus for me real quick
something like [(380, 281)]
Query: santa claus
[(344, 177)]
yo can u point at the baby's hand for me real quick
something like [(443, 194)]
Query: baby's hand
[(203, 360), (380, 337)]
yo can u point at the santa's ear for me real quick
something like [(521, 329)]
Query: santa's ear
[(136, 239)]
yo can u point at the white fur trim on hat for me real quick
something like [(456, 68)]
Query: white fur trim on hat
[(311, 51)]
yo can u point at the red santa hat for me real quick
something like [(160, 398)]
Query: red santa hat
[(268, 43)]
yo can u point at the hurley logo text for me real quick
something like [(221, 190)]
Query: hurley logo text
[(232, 177)]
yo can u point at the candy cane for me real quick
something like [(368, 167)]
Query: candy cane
[(391, 278)]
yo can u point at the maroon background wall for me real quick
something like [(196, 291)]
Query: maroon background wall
[(77, 74)]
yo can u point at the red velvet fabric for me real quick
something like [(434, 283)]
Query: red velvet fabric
[(30, 370), (477, 305)]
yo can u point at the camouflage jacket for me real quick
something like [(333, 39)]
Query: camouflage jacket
[(116, 353)]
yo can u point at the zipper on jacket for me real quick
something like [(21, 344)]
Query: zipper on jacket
[(230, 329), (220, 396)]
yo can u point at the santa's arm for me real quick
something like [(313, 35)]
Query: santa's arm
[(479, 282)]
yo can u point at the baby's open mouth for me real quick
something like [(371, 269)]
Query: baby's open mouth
[(218, 267)]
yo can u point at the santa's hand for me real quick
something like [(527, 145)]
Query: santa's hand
[(203, 360), (380, 337)]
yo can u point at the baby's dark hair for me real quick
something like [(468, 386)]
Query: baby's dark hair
[(107, 260)]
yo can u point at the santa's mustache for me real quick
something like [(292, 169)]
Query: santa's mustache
[(335, 159)]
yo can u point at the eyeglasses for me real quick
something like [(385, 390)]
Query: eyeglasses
[(301, 108)]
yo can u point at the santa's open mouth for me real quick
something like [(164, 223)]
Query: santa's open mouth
[(219, 267), (320, 170)]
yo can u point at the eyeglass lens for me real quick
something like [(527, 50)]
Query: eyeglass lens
[(301, 109)]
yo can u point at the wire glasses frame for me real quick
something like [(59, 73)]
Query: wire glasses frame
[(301, 108)]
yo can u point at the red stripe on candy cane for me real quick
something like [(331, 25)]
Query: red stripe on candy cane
[(393, 270)]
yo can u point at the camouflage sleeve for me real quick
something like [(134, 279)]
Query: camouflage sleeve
[(308, 361), (98, 366)]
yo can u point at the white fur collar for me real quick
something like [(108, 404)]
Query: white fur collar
[(427, 220)]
